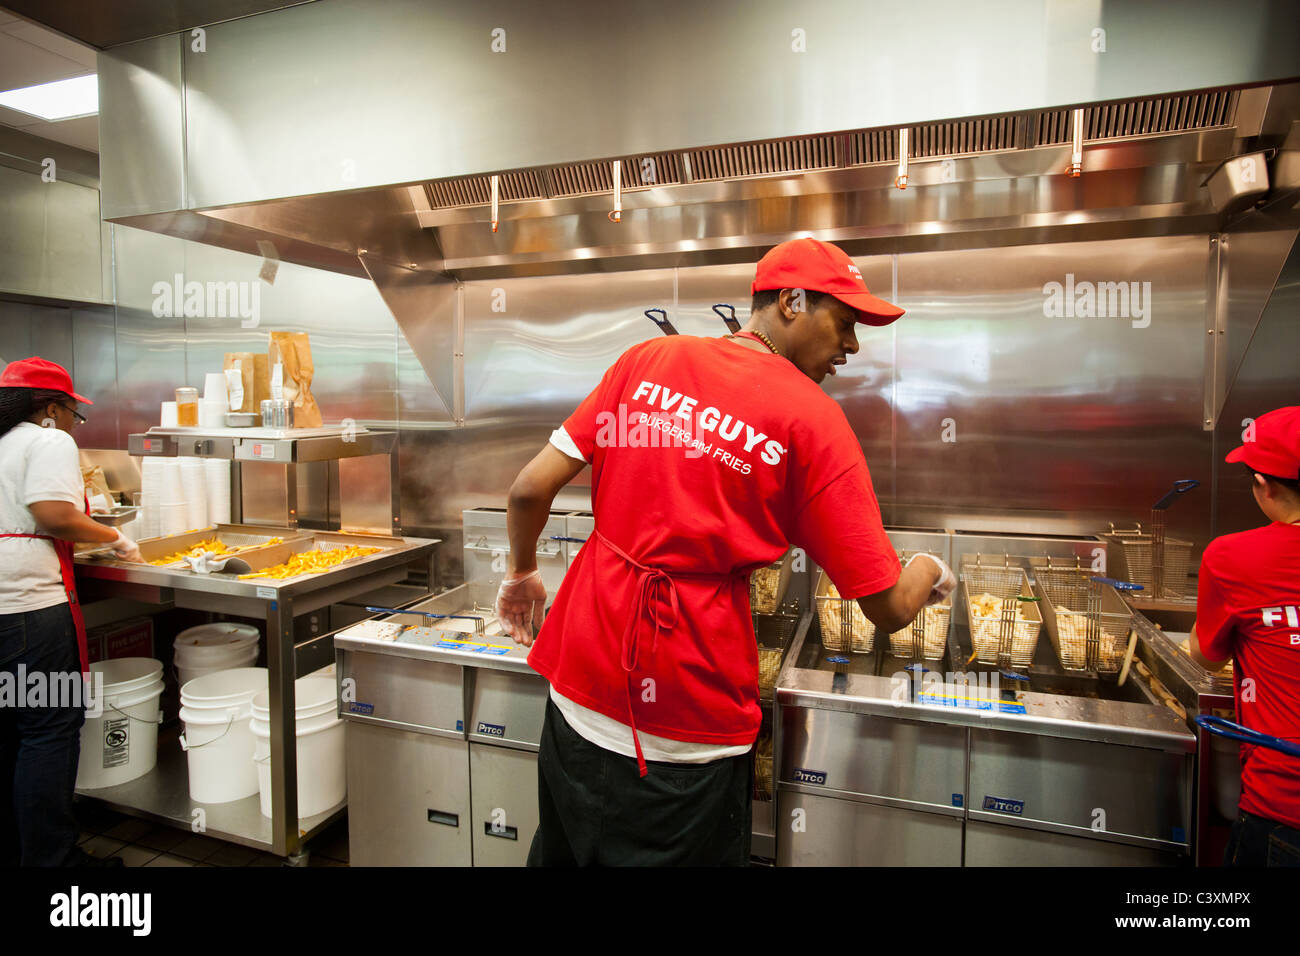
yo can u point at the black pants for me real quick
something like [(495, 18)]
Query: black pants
[(39, 746), (1259, 841), (596, 809)]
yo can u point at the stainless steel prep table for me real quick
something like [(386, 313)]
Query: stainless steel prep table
[(164, 793), (443, 731)]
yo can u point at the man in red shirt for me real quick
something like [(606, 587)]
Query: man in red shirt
[(709, 457), (1248, 608)]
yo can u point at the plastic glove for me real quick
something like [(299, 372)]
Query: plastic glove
[(125, 549), (943, 585), (521, 602)]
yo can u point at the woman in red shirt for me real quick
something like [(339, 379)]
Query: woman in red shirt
[(1248, 609)]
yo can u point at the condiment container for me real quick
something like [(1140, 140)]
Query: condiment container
[(187, 406)]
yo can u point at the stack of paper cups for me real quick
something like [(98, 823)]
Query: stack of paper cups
[(195, 490), (214, 388), (215, 404), (167, 415), (151, 478), (171, 502), (216, 474), (212, 414)]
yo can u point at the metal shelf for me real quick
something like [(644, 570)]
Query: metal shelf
[(163, 795), (285, 446), (278, 603)]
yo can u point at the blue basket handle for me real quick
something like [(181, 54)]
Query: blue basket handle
[(1181, 487), (561, 537), (732, 322), (1119, 585), (1226, 728), (664, 324)]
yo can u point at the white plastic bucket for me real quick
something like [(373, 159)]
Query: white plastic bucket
[(322, 769), (218, 742), (208, 648), (121, 744)]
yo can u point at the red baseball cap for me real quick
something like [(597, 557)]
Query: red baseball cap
[(821, 267), (1272, 444), (39, 373)]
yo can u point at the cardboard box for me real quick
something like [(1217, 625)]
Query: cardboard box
[(131, 638)]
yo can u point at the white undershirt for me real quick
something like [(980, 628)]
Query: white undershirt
[(614, 735)]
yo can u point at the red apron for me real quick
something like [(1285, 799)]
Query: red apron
[(655, 587), (64, 550)]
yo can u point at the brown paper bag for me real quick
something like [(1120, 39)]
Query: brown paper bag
[(255, 374), (293, 351), (95, 483)]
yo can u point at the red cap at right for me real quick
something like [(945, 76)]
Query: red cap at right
[(1275, 449), (821, 267)]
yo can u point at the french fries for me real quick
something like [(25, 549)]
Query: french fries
[(311, 562), (214, 545)]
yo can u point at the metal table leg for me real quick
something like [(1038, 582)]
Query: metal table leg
[(282, 669)]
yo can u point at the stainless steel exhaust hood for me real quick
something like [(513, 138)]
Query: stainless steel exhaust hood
[(984, 181)]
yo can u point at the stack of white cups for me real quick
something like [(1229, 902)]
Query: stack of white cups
[(172, 511), (151, 472), (216, 474), (194, 489), (215, 403)]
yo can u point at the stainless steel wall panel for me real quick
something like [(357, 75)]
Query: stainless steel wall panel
[(1067, 423), (425, 307), (94, 374), (150, 349), (15, 330), (141, 127), (82, 340), (535, 356), (1266, 379), (49, 245), (1253, 262)]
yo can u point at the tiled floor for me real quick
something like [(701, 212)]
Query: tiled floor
[(142, 843)]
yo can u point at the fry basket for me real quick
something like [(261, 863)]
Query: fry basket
[(1087, 621), (926, 638), (1004, 631), (1140, 554), (843, 625), (767, 586)]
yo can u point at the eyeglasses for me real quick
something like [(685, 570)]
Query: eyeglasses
[(81, 419)]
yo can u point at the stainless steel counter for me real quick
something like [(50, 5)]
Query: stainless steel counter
[(163, 794)]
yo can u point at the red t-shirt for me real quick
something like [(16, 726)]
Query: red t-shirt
[(1248, 608), (767, 459)]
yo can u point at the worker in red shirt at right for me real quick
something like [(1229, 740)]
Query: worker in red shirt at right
[(1248, 609)]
